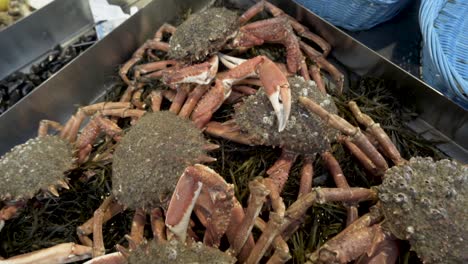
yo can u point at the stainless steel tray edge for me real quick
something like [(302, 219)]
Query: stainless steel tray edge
[(84, 80), (33, 36)]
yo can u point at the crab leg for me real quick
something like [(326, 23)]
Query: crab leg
[(374, 128), (272, 229), (258, 193), (62, 253), (165, 28), (281, 254), (228, 130), (202, 73), (98, 239), (341, 182), (87, 228), (356, 240), (153, 70), (384, 249), (157, 225), (361, 156), (279, 172), (156, 100), (317, 58), (91, 131), (136, 99), (179, 99), (192, 100), (299, 208), (307, 173), (138, 55), (346, 128), (138, 226), (44, 127), (275, 84), (315, 73)]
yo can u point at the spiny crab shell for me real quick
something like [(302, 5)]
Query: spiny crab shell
[(304, 133), (426, 203), (35, 165), (203, 33), (151, 157), (175, 252)]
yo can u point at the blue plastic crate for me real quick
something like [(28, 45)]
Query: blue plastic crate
[(444, 27), (355, 14)]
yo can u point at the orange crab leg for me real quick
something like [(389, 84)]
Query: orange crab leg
[(341, 182), (346, 128), (61, 253), (258, 193), (363, 238), (374, 128), (279, 172), (317, 58), (228, 130), (202, 73), (192, 100)]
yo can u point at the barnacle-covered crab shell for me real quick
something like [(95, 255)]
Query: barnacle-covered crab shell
[(152, 156), (426, 203), (175, 252), (304, 133), (33, 166), (203, 33)]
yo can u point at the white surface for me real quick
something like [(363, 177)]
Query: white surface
[(36, 4), (107, 16)]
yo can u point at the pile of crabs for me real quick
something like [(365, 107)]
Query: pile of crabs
[(160, 164)]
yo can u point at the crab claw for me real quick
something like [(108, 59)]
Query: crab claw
[(277, 89), (272, 77), (230, 61)]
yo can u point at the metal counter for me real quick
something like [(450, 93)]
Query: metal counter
[(89, 76)]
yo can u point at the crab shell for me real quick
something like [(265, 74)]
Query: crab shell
[(175, 252), (203, 34), (34, 165), (304, 133), (151, 157), (426, 203)]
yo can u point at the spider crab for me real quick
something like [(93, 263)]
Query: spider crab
[(305, 134), (205, 33), (153, 162), (420, 200), (40, 165)]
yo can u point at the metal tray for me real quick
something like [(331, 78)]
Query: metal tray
[(87, 78), (31, 37)]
